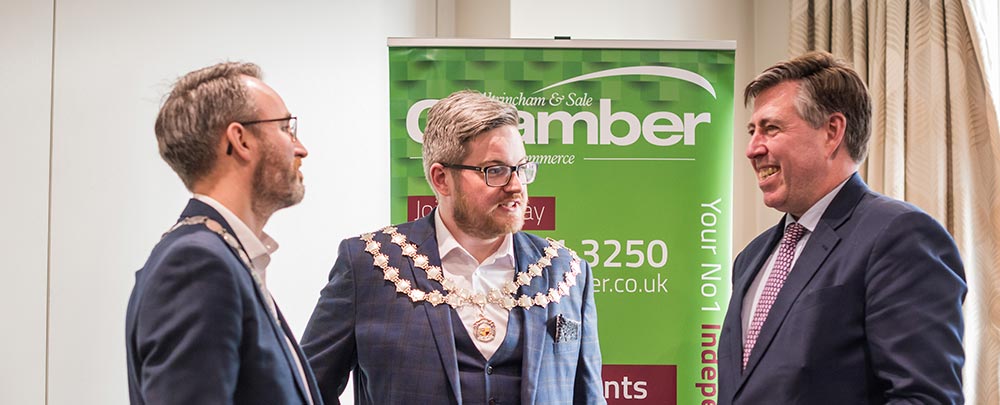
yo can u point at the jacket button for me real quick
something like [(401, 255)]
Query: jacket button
[(489, 370)]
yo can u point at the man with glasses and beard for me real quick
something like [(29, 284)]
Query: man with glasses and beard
[(460, 306), (201, 326)]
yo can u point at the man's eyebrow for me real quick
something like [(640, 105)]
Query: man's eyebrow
[(765, 122), (502, 163)]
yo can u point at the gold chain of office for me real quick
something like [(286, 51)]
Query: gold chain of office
[(459, 297)]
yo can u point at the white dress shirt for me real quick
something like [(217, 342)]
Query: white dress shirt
[(459, 265), (809, 220), (259, 251)]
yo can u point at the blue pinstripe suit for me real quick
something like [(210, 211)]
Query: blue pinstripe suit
[(403, 352)]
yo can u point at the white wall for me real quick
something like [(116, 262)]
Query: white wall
[(25, 74), (759, 28), (113, 196), (482, 18), (109, 62)]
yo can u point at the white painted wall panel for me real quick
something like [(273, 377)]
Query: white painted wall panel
[(113, 196), (482, 19), (25, 75)]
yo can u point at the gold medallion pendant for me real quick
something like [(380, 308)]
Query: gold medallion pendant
[(484, 330)]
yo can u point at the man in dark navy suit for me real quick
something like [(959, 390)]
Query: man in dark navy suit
[(854, 297), (201, 326)]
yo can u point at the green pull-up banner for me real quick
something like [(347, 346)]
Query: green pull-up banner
[(634, 141)]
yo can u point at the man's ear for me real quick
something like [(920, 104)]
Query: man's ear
[(835, 129), (239, 142), (440, 180)]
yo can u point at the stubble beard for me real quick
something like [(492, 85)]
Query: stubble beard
[(485, 225), (276, 184)]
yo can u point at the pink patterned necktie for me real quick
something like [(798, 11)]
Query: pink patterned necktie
[(782, 264)]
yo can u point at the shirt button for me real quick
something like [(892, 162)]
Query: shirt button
[(489, 370)]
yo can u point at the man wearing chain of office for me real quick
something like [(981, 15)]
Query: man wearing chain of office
[(460, 307), (201, 325)]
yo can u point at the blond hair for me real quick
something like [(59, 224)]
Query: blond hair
[(456, 120)]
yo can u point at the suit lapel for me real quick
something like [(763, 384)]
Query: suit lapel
[(535, 323), (740, 287), (423, 235), (303, 391), (278, 328), (755, 264), (821, 243)]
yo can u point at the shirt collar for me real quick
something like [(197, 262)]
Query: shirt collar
[(448, 245), (259, 250), (811, 218)]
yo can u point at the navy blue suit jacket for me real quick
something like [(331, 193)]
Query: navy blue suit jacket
[(871, 313), (198, 331), (403, 352)]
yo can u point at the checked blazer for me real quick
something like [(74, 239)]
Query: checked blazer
[(403, 352)]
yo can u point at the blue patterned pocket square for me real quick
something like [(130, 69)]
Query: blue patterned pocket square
[(567, 330)]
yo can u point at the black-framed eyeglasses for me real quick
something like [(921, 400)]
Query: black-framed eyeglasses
[(500, 175), (291, 128)]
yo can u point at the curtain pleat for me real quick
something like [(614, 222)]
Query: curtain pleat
[(841, 31), (926, 136), (935, 137), (859, 36), (975, 195), (800, 27), (893, 95)]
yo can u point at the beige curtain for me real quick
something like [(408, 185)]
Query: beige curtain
[(935, 141)]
